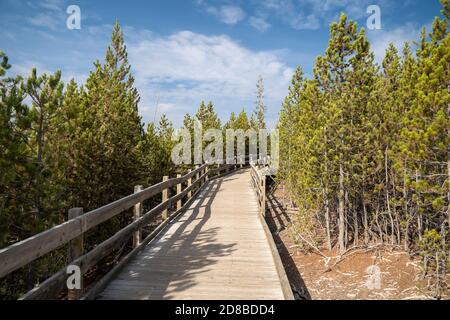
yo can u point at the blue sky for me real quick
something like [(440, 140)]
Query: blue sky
[(185, 51)]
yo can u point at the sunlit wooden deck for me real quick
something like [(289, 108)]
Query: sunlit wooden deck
[(217, 249)]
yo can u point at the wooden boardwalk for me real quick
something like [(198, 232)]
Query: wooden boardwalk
[(217, 249)]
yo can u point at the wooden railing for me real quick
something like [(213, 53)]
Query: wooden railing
[(259, 183), (72, 231)]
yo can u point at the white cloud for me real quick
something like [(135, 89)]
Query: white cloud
[(313, 14), (380, 39), (259, 23), (227, 14), (291, 13), (310, 22), (231, 14), (24, 68), (52, 15), (184, 68), (54, 5), (44, 20)]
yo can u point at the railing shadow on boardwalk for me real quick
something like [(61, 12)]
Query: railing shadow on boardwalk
[(196, 250), (295, 278)]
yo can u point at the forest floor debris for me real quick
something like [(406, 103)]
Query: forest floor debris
[(352, 277)]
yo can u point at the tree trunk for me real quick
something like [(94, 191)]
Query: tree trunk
[(380, 231), (388, 200), (327, 219), (327, 201), (356, 226), (397, 227), (405, 199), (448, 159), (419, 215), (341, 210), (448, 188), (419, 225), (366, 224), (407, 236)]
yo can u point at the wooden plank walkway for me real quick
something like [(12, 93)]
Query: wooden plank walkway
[(217, 249)]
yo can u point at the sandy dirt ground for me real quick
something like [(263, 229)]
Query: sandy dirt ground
[(374, 273)]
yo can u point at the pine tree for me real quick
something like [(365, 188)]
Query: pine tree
[(149, 152), (16, 166), (66, 143), (446, 9), (231, 122), (258, 117), (46, 93), (241, 121), (333, 72), (165, 132), (208, 116), (287, 125), (368, 147), (433, 153), (155, 149), (113, 126)]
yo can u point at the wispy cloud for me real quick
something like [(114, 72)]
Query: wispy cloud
[(54, 5), (259, 23), (380, 39), (228, 14), (24, 68), (51, 14), (313, 14), (289, 13), (191, 67), (45, 20)]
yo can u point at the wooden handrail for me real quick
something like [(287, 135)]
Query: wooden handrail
[(56, 283), (22, 253), (28, 250), (259, 183)]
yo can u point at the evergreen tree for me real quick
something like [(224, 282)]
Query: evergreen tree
[(113, 127), (46, 93), (16, 166), (346, 51), (155, 149), (287, 125), (231, 122), (165, 132), (367, 148), (258, 117), (208, 116), (241, 121)]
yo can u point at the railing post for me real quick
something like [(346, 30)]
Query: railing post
[(165, 194), (178, 192), (198, 177), (207, 175), (189, 183), (263, 194), (137, 212), (76, 248)]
